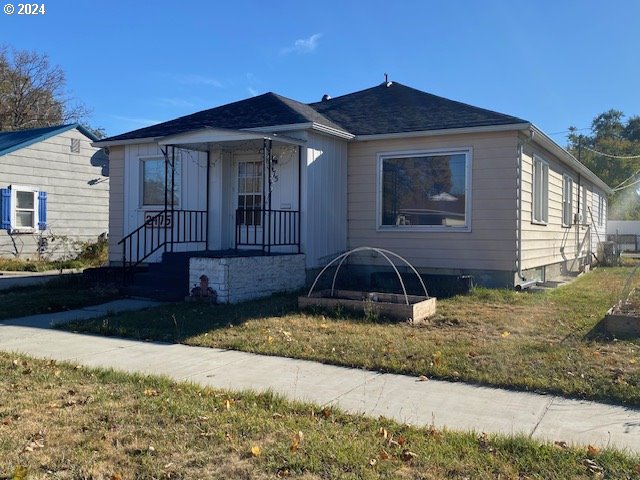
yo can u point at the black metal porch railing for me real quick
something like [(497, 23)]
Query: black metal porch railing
[(267, 228), (161, 229)]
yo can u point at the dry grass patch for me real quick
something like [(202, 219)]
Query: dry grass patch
[(63, 422), (539, 342)]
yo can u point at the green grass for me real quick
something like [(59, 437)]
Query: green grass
[(536, 342), (65, 293), (62, 421)]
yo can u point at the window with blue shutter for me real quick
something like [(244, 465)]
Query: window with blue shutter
[(5, 198), (42, 210)]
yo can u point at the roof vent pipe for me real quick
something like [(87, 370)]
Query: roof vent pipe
[(326, 97)]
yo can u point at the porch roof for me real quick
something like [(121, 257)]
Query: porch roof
[(203, 139)]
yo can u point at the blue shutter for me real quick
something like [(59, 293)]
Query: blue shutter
[(42, 210), (5, 198)]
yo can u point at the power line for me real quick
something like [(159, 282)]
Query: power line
[(572, 130), (617, 189), (620, 157), (620, 185)]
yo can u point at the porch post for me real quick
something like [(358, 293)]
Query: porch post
[(206, 221), (166, 188), (298, 226), (269, 158), (264, 184), (173, 186)]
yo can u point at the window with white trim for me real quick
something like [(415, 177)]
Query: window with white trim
[(567, 201), (23, 209), (152, 172), (424, 190), (540, 210), (602, 205)]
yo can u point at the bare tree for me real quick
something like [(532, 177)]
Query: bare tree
[(32, 92)]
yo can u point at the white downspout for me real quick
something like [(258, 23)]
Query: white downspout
[(519, 216), (521, 145)]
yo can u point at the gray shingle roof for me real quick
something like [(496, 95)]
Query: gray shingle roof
[(12, 141), (378, 110), (396, 108), (264, 110)]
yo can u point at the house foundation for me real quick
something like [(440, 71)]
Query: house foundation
[(237, 279)]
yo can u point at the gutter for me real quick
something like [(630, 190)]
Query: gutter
[(446, 131), (546, 142), (131, 141)]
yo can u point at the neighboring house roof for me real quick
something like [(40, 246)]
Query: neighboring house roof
[(395, 108), (12, 141), (264, 110)]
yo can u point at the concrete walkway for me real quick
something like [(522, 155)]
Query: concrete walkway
[(456, 406), (10, 279)]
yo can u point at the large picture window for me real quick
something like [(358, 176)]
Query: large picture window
[(153, 172), (427, 190), (540, 210)]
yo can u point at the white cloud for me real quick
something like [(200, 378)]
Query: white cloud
[(194, 79), (303, 45), (252, 91), (174, 102), (135, 120)]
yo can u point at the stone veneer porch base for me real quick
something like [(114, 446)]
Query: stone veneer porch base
[(237, 279)]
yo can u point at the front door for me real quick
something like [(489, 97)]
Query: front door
[(248, 201)]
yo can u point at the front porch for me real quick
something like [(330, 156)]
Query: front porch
[(222, 191)]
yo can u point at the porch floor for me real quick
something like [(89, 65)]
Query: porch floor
[(228, 253)]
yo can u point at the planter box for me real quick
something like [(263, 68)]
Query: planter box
[(387, 304), (621, 325)]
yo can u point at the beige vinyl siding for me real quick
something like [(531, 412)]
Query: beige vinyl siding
[(552, 243), (491, 243), (77, 192), (116, 202)]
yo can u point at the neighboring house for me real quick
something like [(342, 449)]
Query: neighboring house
[(54, 190), (626, 234), (453, 188)]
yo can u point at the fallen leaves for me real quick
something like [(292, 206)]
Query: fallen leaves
[(296, 441), (151, 392), (256, 451), (35, 442), (592, 451), (505, 334), (398, 444)]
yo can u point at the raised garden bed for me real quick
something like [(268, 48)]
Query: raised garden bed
[(390, 305), (623, 319)]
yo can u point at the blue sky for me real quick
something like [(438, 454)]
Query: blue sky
[(555, 63)]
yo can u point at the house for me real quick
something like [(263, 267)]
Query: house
[(54, 191), (454, 189)]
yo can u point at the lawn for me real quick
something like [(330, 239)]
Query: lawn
[(62, 421), (64, 293), (537, 342)]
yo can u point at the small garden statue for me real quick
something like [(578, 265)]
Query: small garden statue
[(204, 291)]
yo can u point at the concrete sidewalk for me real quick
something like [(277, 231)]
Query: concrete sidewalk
[(456, 406)]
